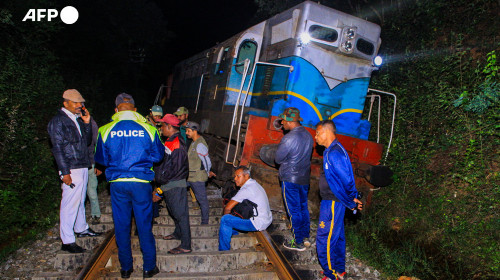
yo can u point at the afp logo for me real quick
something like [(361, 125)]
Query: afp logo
[(69, 15)]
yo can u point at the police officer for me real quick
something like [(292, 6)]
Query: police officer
[(128, 147)]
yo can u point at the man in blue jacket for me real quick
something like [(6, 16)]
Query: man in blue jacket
[(338, 191), (294, 156), (128, 147)]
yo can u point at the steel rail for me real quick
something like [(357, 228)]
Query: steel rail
[(283, 268), (93, 268)]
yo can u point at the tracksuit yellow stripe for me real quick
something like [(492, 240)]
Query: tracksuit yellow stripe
[(329, 241), (286, 205)]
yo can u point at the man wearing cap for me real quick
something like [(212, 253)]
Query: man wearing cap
[(70, 134), (199, 167), (171, 174), (155, 114), (128, 147), (182, 113), (294, 156)]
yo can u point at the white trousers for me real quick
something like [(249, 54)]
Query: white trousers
[(72, 211)]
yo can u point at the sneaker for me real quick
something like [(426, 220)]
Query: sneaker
[(87, 232), (307, 242), (292, 245), (95, 220), (342, 276)]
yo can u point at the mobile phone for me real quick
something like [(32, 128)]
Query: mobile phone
[(83, 110)]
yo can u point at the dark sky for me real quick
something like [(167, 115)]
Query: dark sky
[(198, 25)]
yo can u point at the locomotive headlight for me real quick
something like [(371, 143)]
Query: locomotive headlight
[(347, 46), (305, 38), (349, 33), (377, 61)]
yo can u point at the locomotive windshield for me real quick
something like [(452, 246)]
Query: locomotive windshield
[(365, 46), (323, 33)]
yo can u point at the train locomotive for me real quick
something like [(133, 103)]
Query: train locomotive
[(310, 57)]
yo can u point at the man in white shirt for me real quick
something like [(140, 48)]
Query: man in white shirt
[(253, 191)]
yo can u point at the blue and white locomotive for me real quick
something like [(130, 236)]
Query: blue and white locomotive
[(311, 57)]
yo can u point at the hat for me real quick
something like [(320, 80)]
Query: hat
[(181, 111), (73, 95), (193, 125), (170, 119), (290, 114), (156, 110), (124, 98)]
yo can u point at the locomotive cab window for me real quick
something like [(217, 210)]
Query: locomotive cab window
[(365, 47), (248, 49), (221, 61), (323, 33)]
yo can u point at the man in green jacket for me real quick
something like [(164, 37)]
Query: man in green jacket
[(199, 167)]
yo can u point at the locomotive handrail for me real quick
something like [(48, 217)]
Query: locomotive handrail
[(393, 117), (372, 97), (199, 91), (245, 100), (236, 105)]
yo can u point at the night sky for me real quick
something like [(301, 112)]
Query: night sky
[(133, 45), (199, 25)]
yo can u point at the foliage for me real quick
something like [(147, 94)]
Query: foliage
[(39, 61), (27, 80), (441, 213)]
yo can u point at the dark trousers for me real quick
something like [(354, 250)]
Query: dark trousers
[(295, 199), (136, 196), (200, 192), (177, 205)]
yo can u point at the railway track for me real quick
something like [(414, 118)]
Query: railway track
[(252, 256)]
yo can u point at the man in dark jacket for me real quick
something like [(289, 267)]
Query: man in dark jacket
[(70, 133), (171, 174), (294, 156), (128, 147)]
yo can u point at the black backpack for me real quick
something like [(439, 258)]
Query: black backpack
[(245, 209)]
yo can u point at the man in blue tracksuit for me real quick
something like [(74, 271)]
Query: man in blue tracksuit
[(338, 191), (128, 147)]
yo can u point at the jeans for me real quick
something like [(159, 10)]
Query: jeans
[(200, 192), (92, 193), (177, 205), (229, 226), (136, 196), (295, 199)]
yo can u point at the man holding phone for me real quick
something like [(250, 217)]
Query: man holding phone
[(70, 133)]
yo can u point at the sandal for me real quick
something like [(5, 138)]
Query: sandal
[(170, 237), (179, 250)]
